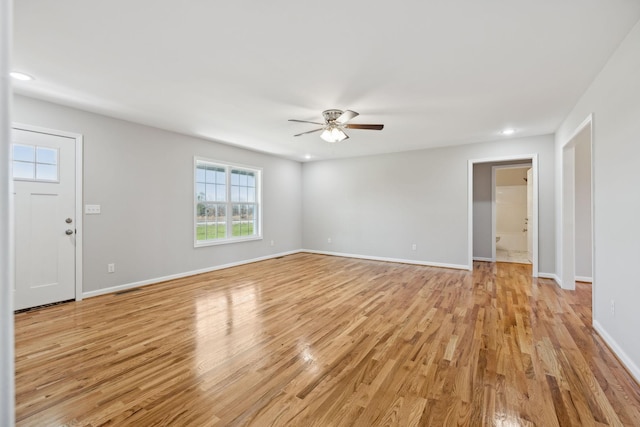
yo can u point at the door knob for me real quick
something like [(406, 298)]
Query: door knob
[(68, 232)]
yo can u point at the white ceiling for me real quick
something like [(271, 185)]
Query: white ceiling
[(436, 73)]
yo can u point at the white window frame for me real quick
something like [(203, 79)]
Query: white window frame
[(35, 164), (229, 203)]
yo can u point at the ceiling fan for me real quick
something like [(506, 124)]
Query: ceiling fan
[(336, 121)]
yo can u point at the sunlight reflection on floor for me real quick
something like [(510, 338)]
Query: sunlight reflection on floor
[(218, 315)]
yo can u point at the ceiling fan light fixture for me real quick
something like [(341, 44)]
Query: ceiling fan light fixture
[(335, 121), (333, 134)]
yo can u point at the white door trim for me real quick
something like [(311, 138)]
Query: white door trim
[(566, 254), (79, 141), (516, 158)]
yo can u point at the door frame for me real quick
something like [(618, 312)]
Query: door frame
[(567, 256), (493, 202), (515, 158), (78, 142)]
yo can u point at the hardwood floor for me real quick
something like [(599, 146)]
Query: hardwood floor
[(312, 340)]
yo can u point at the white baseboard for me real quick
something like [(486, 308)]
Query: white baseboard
[(181, 275), (633, 369), (478, 258), (398, 260), (552, 276), (125, 286), (559, 282)]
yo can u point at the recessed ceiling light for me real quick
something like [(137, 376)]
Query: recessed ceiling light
[(508, 131), (307, 156), (20, 76)]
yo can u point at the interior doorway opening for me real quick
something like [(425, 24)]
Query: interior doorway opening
[(481, 225), (512, 209), (577, 252)]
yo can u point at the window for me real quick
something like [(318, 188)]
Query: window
[(32, 163), (227, 203)]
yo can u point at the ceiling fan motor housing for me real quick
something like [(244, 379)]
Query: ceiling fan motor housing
[(331, 115), (335, 121)]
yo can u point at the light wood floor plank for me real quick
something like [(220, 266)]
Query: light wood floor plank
[(312, 340)]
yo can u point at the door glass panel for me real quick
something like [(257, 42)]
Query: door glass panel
[(48, 156), (22, 170), (25, 153), (46, 172), (35, 163)]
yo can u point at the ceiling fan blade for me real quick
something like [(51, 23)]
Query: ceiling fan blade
[(311, 131), (346, 116), (369, 127), (306, 121)]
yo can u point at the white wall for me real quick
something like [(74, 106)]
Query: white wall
[(614, 100), (482, 221), (511, 209), (380, 205), (143, 179), (6, 266)]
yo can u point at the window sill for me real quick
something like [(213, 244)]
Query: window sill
[(206, 243)]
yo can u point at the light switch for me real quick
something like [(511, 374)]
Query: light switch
[(92, 209)]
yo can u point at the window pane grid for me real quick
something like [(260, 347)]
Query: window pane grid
[(210, 183), (33, 163), (215, 197), (244, 220), (46, 156), (243, 186), (211, 221)]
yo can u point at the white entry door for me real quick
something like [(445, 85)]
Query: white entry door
[(44, 172)]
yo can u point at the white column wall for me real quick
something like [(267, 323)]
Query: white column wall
[(7, 399), (614, 100)]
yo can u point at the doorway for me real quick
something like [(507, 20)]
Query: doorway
[(512, 209), (481, 238), (46, 167), (577, 252)]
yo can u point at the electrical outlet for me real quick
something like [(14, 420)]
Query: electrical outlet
[(111, 268), (329, 240), (613, 308), (414, 247)]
